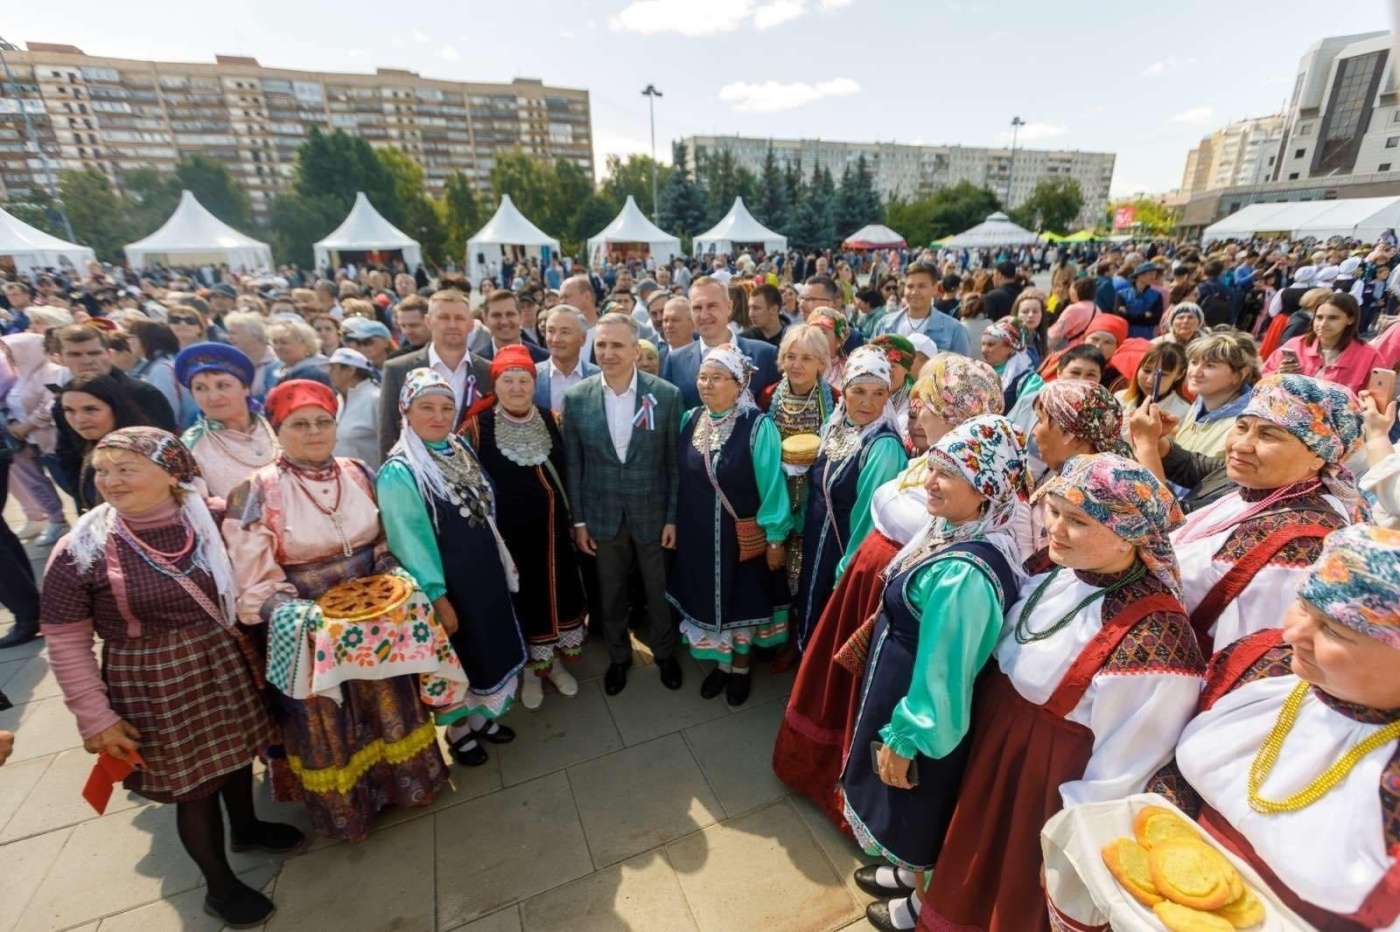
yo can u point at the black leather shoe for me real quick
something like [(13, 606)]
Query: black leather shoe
[(497, 733), (713, 684), (878, 915), (20, 634), (473, 756), (615, 680), (670, 669), (865, 879), (277, 837), (737, 692), (241, 909)]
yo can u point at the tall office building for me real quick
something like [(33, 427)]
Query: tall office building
[(911, 171), (117, 115), (1243, 153)]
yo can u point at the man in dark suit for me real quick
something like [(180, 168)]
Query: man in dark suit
[(710, 307), (503, 320), (449, 323), (620, 428)]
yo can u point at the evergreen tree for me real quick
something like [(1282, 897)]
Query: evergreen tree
[(793, 189), (96, 211), (850, 213), (816, 213), (682, 201), (211, 183), (871, 207), (772, 206), (462, 213)]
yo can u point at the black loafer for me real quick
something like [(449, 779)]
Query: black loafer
[(615, 680), (20, 634), (713, 684), (501, 734), (474, 756), (277, 837), (737, 692), (865, 879), (241, 909), (878, 915), (670, 669)]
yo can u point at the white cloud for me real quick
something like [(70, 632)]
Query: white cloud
[(773, 96), (1168, 64), (835, 4), (420, 37), (778, 12), (1033, 132), (1194, 115), (447, 53), (685, 17)]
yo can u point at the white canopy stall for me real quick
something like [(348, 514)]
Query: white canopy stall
[(996, 230), (632, 234), (736, 230), (194, 236), (874, 236), (365, 236), (1363, 218), (30, 248), (508, 234)]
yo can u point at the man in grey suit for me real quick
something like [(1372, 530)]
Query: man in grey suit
[(565, 367), (620, 430), (710, 306), (450, 323)]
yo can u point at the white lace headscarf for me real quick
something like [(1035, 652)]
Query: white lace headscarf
[(866, 365), (731, 359)]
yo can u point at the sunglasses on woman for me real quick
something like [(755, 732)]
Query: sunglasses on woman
[(183, 320)]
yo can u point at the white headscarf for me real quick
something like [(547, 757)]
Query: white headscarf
[(731, 359), (865, 365)]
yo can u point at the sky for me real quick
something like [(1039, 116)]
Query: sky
[(1145, 81)]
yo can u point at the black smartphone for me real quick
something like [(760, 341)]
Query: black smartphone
[(1157, 384), (875, 747)]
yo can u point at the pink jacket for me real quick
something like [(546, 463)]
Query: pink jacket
[(1352, 368)]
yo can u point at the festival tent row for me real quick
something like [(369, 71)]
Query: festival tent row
[(1363, 218), (365, 236), (194, 236), (28, 248), (737, 230), (631, 234), (508, 234), (996, 230)]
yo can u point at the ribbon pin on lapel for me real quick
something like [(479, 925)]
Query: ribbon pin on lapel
[(646, 414), (471, 393)]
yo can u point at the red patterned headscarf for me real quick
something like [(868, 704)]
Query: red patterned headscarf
[(512, 357), (298, 393), (159, 446)]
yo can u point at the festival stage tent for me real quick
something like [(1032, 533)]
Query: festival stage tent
[(508, 229), (31, 248), (736, 230), (631, 228), (194, 236), (996, 230), (366, 231), (874, 236), (1363, 218)]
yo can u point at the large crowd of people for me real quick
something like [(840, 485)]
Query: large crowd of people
[(1028, 549)]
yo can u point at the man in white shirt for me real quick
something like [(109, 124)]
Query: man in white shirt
[(565, 367), (357, 425), (677, 322), (577, 291), (709, 302)]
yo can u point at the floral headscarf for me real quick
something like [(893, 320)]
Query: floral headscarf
[(1087, 410), (898, 350), (990, 453), (1128, 500), (1326, 417), (732, 360), (1006, 331), (832, 320), (159, 446), (298, 393), (958, 388), (419, 384), (1356, 581)]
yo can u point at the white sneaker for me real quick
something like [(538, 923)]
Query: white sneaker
[(531, 690), (562, 679), (30, 530), (52, 534)]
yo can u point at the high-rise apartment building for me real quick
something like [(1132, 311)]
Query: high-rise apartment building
[(117, 115), (1243, 153), (911, 171)]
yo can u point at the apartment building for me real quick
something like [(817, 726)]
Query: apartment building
[(117, 115), (1242, 153), (911, 171)]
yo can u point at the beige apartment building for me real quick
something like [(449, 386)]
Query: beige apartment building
[(117, 115), (1243, 153)]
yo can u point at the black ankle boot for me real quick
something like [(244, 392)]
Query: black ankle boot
[(241, 908)]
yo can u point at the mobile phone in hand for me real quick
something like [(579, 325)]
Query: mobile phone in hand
[(1382, 386), (1157, 384), (913, 775)]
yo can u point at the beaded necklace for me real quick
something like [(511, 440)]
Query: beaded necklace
[(1281, 494), (328, 474), (713, 432), (524, 440), (797, 415), (1024, 634), (158, 560), (1267, 756)]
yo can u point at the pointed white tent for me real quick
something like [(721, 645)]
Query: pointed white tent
[(996, 230), (630, 227), (508, 228), (366, 230), (738, 228), (874, 236), (31, 248), (194, 236)]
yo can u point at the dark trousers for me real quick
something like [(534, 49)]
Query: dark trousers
[(17, 590), (615, 562)]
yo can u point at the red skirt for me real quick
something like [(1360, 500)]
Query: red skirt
[(988, 875), (821, 712)]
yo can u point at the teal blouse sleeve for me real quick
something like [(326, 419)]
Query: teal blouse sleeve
[(884, 460), (409, 528), (960, 622), (685, 417), (774, 506)]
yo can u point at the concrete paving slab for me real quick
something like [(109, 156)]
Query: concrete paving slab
[(183, 912), (507, 920), (638, 894), (41, 728), (17, 781), (57, 800), (736, 753), (29, 680), (840, 849), (560, 733), (647, 710), (26, 862)]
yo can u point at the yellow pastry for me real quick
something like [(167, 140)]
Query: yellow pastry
[(1191, 873), (801, 449), (1180, 918), (1126, 860), (1153, 825), (1245, 912)]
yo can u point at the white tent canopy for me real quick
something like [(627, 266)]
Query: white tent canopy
[(194, 236), (507, 228), (874, 236), (996, 230), (31, 248), (1363, 218), (366, 230), (631, 226), (738, 228)]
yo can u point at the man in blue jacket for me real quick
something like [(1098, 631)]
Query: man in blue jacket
[(711, 309), (1141, 304)]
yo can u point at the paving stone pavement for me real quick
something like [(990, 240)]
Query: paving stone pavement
[(650, 810)]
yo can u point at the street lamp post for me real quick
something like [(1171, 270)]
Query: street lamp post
[(651, 93), (38, 146), (1016, 124)]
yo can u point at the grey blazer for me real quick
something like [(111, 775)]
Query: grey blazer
[(395, 371)]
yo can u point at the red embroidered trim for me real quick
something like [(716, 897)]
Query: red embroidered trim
[(1096, 653)]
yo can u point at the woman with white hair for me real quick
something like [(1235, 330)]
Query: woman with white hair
[(247, 330), (299, 350)]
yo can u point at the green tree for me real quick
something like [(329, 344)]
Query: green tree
[(866, 197), (850, 213), (528, 181), (39, 210), (96, 211), (216, 189), (794, 188), (632, 177), (594, 213), (419, 217), (571, 188), (724, 179), (298, 220), (945, 212), (815, 225), (338, 166), (462, 214), (1053, 205), (1152, 216), (151, 197), (682, 201), (773, 208)]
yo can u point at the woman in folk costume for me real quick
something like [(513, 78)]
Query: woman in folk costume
[(148, 573), (231, 440), (1097, 671), (440, 517), (837, 329), (821, 712), (940, 614), (1242, 556), (732, 519), (860, 451), (900, 352), (296, 529), (1293, 761)]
